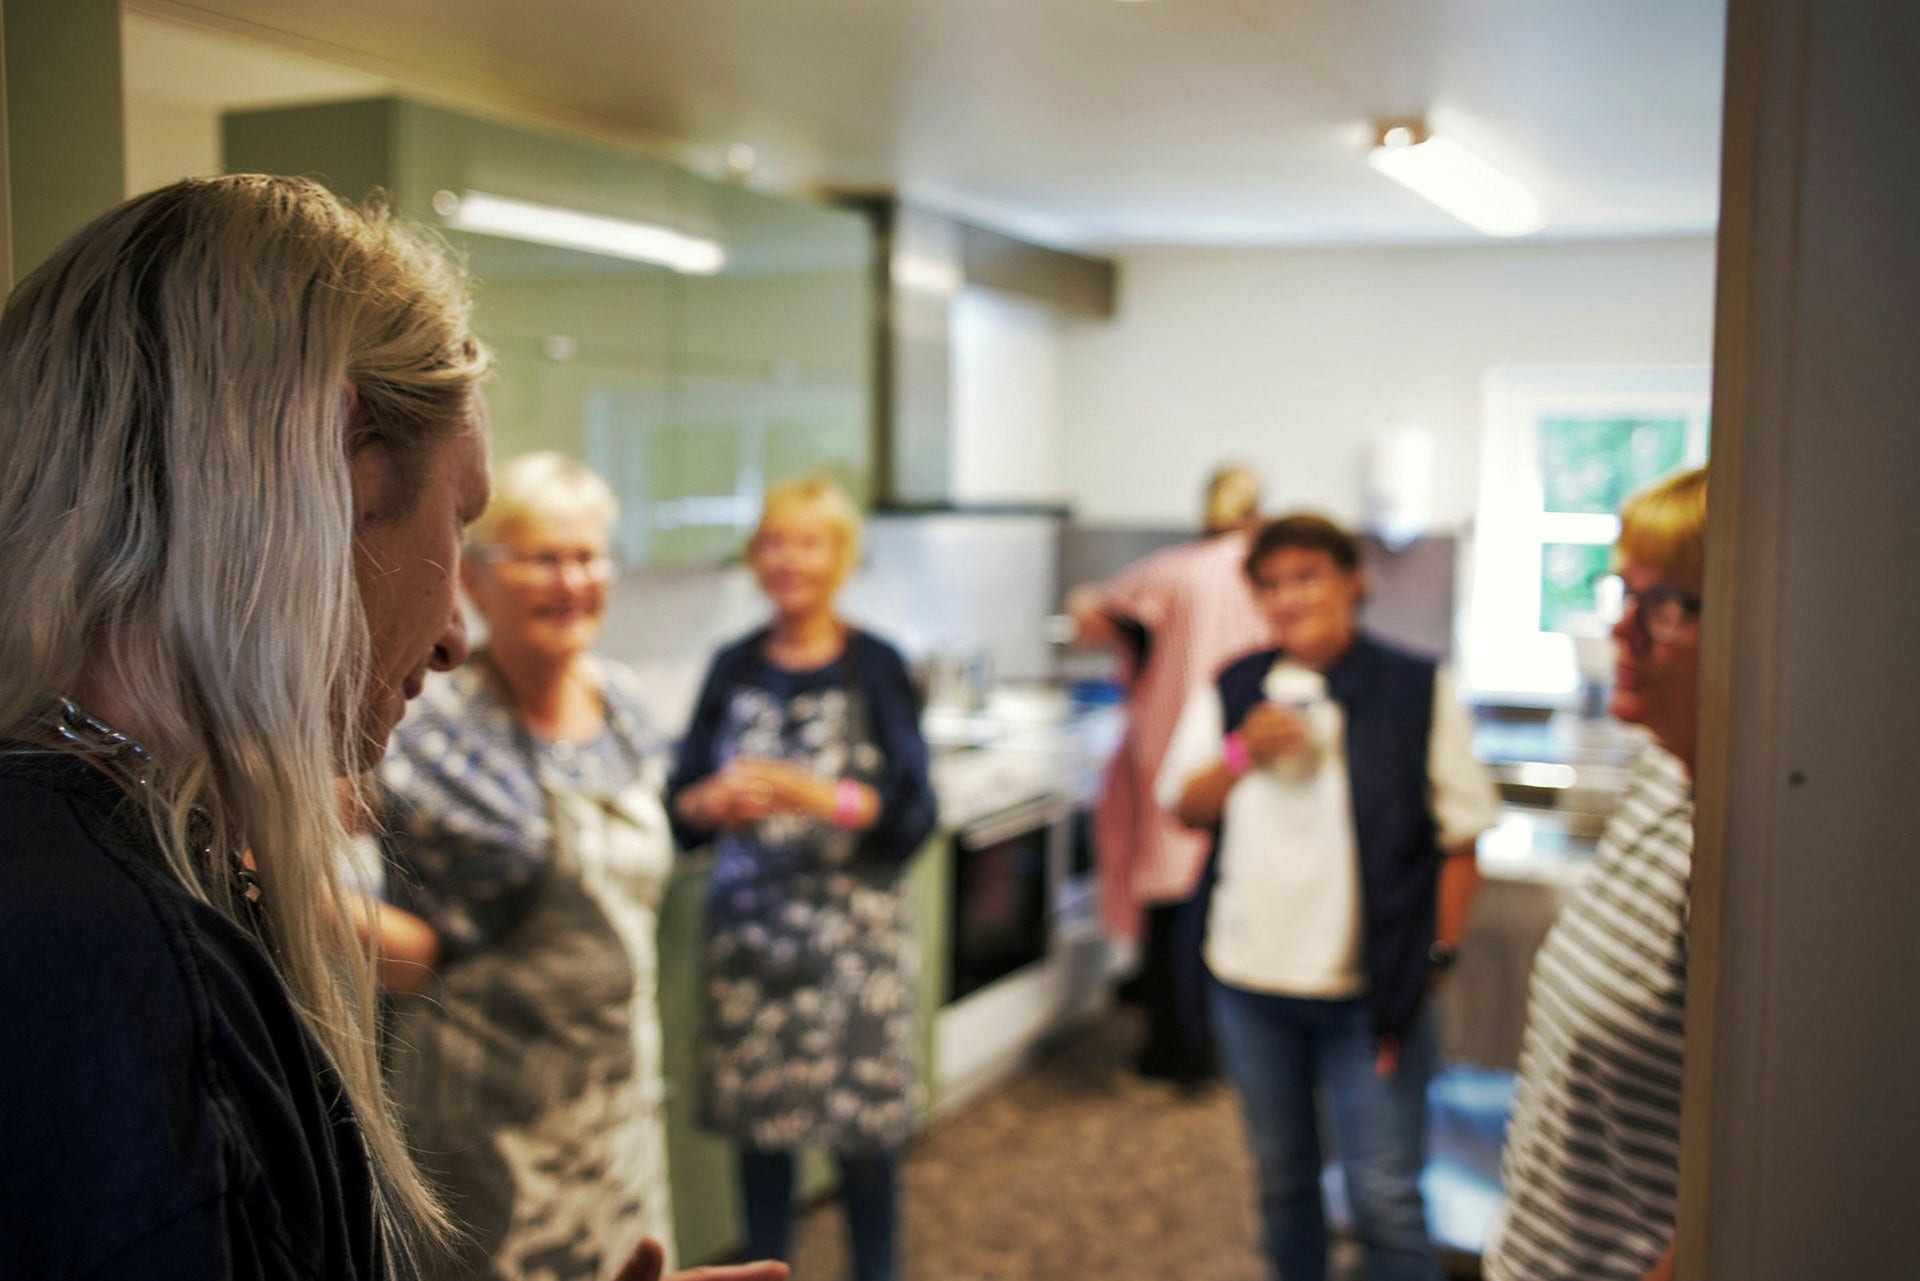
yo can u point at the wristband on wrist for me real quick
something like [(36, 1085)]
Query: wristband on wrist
[(1233, 750), (846, 804)]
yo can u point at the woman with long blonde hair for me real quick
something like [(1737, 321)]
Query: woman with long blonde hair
[(240, 436)]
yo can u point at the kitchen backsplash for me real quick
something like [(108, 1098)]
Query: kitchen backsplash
[(945, 583), (961, 583)]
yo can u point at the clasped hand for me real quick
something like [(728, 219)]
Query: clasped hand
[(747, 790)]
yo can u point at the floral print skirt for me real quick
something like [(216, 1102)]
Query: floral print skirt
[(810, 1037)]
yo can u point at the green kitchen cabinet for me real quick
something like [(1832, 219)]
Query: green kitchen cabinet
[(690, 390), (706, 1200), (707, 1220), (930, 885)]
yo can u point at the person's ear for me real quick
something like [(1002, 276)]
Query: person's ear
[(372, 476)]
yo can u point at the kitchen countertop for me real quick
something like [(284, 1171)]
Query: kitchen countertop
[(1563, 738), (1028, 743), (1531, 844), (1560, 777)]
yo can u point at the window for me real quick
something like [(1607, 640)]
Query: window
[(1563, 447)]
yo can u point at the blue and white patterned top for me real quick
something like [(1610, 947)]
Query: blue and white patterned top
[(529, 1068), (812, 959), (465, 822)]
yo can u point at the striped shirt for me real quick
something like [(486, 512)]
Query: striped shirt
[(1593, 1143)]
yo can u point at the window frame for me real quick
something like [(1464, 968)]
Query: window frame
[(1509, 657)]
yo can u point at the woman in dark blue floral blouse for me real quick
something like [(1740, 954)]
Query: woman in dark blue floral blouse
[(805, 765)]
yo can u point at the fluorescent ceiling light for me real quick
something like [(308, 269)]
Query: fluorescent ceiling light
[(491, 215), (1458, 180)]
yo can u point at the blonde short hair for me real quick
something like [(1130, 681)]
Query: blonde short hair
[(1233, 496), (1664, 526), (540, 487), (822, 494)]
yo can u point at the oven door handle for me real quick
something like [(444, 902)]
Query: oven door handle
[(1031, 817)]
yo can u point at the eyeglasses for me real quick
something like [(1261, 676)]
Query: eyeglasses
[(1664, 612), (550, 567)]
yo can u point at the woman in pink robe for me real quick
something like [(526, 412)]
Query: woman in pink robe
[(1192, 604)]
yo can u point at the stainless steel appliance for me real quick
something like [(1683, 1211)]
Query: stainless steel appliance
[(1006, 876), (1026, 956)]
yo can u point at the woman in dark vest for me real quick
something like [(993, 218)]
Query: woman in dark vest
[(1338, 773)]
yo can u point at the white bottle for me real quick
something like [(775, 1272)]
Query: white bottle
[(1302, 691)]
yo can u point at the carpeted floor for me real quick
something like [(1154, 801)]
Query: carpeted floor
[(1075, 1170)]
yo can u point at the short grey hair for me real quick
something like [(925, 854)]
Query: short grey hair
[(538, 487)]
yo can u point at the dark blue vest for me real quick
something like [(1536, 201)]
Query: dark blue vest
[(1387, 697)]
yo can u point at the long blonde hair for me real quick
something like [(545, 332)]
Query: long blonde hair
[(181, 387)]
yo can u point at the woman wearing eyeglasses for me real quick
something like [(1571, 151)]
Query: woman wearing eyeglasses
[(1593, 1143), (521, 814)]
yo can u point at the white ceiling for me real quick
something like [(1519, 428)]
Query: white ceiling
[(1082, 122)]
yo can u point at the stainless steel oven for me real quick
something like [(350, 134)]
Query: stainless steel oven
[(1008, 870), (1026, 958)]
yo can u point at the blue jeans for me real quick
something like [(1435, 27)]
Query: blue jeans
[(869, 1187), (1280, 1051)]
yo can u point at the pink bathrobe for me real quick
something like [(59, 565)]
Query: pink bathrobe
[(1195, 603)]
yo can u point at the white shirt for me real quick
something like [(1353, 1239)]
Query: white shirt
[(1286, 911)]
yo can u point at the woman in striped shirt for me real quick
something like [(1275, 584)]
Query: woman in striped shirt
[(1593, 1144)]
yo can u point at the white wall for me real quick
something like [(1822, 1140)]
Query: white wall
[(1294, 360), (168, 141), (178, 78), (1005, 367)]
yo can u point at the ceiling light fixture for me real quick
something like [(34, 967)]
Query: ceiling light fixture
[(490, 215), (1457, 179), (740, 160)]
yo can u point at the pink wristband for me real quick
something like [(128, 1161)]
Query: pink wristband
[(846, 804), (1233, 750)]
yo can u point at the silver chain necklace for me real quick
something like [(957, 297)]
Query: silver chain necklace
[(132, 764)]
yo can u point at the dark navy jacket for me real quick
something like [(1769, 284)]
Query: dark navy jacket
[(1387, 696), (163, 1113)]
